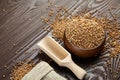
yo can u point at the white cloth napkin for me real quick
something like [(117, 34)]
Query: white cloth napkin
[(43, 71)]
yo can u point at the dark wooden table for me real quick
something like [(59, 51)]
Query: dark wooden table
[(21, 26)]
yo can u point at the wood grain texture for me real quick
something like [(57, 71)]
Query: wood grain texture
[(21, 25)]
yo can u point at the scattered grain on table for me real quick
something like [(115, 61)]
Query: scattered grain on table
[(20, 69)]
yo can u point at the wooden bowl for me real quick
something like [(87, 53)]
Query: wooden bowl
[(83, 53)]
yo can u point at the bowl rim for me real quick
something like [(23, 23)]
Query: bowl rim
[(102, 42)]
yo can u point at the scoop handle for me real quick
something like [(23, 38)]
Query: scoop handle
[(78, 71)]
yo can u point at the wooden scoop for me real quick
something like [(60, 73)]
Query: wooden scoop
[(60, 55)]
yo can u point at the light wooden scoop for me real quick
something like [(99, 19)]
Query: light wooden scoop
[(60, 55)]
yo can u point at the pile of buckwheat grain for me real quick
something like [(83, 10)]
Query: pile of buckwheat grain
[(84, 33), (81, 32)]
